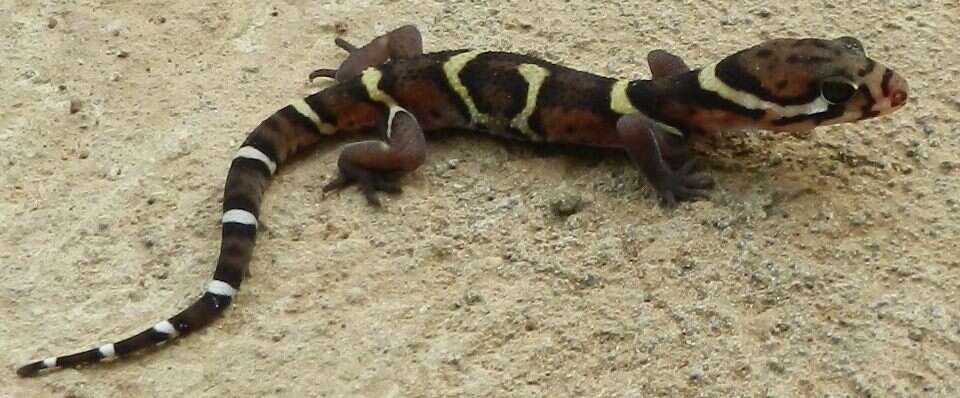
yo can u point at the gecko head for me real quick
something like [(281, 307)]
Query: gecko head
[(799, 84)]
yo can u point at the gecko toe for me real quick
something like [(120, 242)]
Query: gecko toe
[(329, 73), (701, 180), (687, 167), (345, 45), (370, 183), (684, 184)]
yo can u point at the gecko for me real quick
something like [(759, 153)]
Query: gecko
[(391, 88)]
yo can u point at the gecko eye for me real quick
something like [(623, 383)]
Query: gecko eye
[(852, 44), (836, 91)]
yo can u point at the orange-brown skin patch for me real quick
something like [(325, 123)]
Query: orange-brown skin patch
[(357, 116), (432, 106), (578, 126), (714, 120)]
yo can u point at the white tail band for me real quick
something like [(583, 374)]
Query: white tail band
[(240, 217), (250, 152), (167, 328), (221, 288)]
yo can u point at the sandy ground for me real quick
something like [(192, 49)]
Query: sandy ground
[(822, 266)]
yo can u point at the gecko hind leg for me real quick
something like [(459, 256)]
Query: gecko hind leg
[(648, 145), (373, 165), (664, 64), (402, 42)]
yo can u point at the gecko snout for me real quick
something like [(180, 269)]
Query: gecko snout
[(898, 89)]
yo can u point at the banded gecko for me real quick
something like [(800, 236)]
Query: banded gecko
[(391, 87)]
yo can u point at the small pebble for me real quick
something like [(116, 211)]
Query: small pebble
[(947, 166), (114, 28), (471, 298), (75, 106), (915, 335), (566, 204), (52, 23), (728, 20), (695, 374), (588, 280), (776, 366), (123, 54), (530, 325), (114, 172)]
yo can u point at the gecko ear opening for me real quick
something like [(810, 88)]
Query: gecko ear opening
[(837, 91)]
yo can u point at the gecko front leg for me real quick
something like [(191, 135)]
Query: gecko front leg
[(647, 143), (373, 164)]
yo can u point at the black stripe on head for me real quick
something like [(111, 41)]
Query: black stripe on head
[(240, 201), (867, 111), (832, 111), (291, 114), (885, 83), (871, 64), (251, 164), (711, 100), (732, 73)]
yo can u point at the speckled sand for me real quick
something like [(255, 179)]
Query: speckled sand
[(824, 265)]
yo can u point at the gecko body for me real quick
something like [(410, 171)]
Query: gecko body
[(392, 88)]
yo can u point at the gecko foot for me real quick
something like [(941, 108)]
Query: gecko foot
[(369, 182), (683, 184)]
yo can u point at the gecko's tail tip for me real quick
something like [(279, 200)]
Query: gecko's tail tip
[(30, 369)]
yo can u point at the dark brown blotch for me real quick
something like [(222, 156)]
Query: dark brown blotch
[(764, 53), (806, 59)]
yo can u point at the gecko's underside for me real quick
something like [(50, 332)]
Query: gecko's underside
[(391, 87)]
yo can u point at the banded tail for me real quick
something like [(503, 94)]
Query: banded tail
[(266, 148)]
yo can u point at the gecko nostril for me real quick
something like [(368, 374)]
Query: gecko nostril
[(898, 98)]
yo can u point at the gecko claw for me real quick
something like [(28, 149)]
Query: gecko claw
[(330, 73), (345, 45), (684, 184), (370, 183)]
